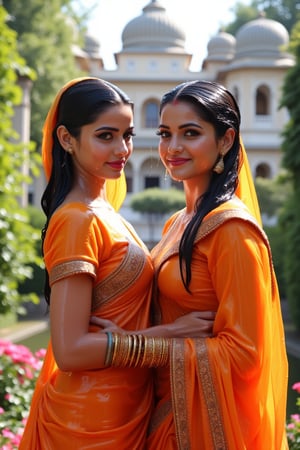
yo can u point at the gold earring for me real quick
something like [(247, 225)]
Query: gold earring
[(219, 166), (70, 150)]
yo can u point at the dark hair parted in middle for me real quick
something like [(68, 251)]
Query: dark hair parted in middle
[(216, 105)]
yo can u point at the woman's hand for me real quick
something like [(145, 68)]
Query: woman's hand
[(106, 325), (194, 325)]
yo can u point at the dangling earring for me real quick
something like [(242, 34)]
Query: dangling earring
[(166, 175), (219, 166)]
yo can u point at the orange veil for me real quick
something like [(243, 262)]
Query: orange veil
[(246, 189), (115, 189)]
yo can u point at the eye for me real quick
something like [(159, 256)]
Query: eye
[(105, 136), (191, 132), (163, 134), (128, 135)]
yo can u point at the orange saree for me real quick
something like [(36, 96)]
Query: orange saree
[(106, 408), (228, 391)]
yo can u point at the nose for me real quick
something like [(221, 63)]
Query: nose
[(175, 146), (122, 148)]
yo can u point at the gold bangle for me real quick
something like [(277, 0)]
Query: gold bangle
[(109, 349), (140, 347), (115, 350), (132, 360), (128, 344)]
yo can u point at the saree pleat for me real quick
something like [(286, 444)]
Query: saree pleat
[(107, 408), (228, 391)]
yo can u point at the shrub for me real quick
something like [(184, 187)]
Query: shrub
[(293, 425), (19, 369)]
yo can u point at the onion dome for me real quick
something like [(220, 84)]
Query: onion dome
[(261, 37), (152, 31), (92, 46), (221, 47)]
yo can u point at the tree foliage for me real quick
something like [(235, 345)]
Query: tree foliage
[(290, 217), (157, 201), (16, 234), (46, 34), (272, 194), (286, 12)]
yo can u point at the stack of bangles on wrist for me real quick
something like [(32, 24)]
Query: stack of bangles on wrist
[(136, 350)]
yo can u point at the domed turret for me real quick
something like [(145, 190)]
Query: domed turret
[(153, 30), (221, 47), (261, 38), (92, 46)]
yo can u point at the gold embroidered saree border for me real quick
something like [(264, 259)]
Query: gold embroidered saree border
[(178, 388), (70, 268), (178, 383), (217, 433), (121, 278)]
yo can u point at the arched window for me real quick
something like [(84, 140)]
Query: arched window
[(263, 171), (151, 114), (151, 173), (262, 101)]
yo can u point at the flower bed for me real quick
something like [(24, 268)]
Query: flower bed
[(293, 424), (19, 369)]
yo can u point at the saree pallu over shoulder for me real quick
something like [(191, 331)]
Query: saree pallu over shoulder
[(228, 392)]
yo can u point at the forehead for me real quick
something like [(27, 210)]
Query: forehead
[(115, 113), (179, 111)]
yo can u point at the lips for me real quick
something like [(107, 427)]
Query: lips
[(177, 161), (117, 165)]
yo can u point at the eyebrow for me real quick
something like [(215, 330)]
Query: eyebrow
[(185, 125), (106, 128)]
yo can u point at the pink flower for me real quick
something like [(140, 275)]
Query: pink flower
[(7, 433), (41, 353), (296, 387), (1, 410), (295, 417)]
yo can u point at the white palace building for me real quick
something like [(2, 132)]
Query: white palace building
[(153, 59)]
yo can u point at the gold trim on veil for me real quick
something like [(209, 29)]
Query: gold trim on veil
[(115, 189)]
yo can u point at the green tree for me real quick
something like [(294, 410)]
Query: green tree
[(272, 194), (290, 218), (286, 12), (155, 202), (272, 197), (16, 235), (46, 34), (243, 14)]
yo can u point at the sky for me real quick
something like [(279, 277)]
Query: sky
[(200, 19)]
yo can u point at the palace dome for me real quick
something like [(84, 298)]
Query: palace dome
[(153, 30), (221, 47), (261, 38)]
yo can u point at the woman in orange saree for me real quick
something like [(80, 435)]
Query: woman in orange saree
[(227, 391), (95, 389), (96, 265)]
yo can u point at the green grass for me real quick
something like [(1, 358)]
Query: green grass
[(37, 341)]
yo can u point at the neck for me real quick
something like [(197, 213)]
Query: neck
[(89, 190)]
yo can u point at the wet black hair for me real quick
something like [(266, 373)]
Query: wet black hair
[(79, 105), (217, 106)]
